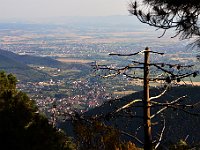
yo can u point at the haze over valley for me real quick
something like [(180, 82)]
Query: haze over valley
[(72, 45), (99, 75)]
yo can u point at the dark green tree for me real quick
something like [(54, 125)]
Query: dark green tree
[(21, 126), (183, 16)]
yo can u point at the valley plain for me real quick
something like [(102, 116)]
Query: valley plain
[(67, 78)]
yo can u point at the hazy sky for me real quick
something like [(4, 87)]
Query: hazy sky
[(51, 8)]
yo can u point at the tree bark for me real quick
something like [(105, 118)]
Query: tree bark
[(147, 104)]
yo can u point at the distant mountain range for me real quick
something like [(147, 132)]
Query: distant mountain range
[(28, 59), (18, 65), (179, 124)]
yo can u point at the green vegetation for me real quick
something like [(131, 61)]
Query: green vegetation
[(14, 63), (22, 127), (95, 135), (49, 78)]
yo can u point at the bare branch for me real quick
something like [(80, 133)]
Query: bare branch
[(132, 136), (117, 70), (158, 112), (158, 96), (110, 75), (163, 33), (135, 53), (166, 105), (156, 52), (166, 64), (171, 103), (161, 135), (132, 77), (127, 54), (128, 105), (165, 70)]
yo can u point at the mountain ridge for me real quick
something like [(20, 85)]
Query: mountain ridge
[(28, 59), (18, 65), (179, 124)]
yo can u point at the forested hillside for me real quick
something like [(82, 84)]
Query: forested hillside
[(18, 65), (22, 127), (180, 124)]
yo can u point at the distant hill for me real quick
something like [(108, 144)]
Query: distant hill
[(18, 65), (179, 125), (28, 59)]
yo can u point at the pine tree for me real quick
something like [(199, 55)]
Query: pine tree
[(182, 16), (22, 127)]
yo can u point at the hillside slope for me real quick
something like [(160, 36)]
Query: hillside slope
[(179, 125), (13, 63), (20, 66), (27, 59)]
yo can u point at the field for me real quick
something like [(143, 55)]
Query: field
[(189, 83), (67, 60)]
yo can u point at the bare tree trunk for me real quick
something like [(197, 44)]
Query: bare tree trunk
[(146, 102)]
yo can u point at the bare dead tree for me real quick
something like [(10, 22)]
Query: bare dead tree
[(166, 75)]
